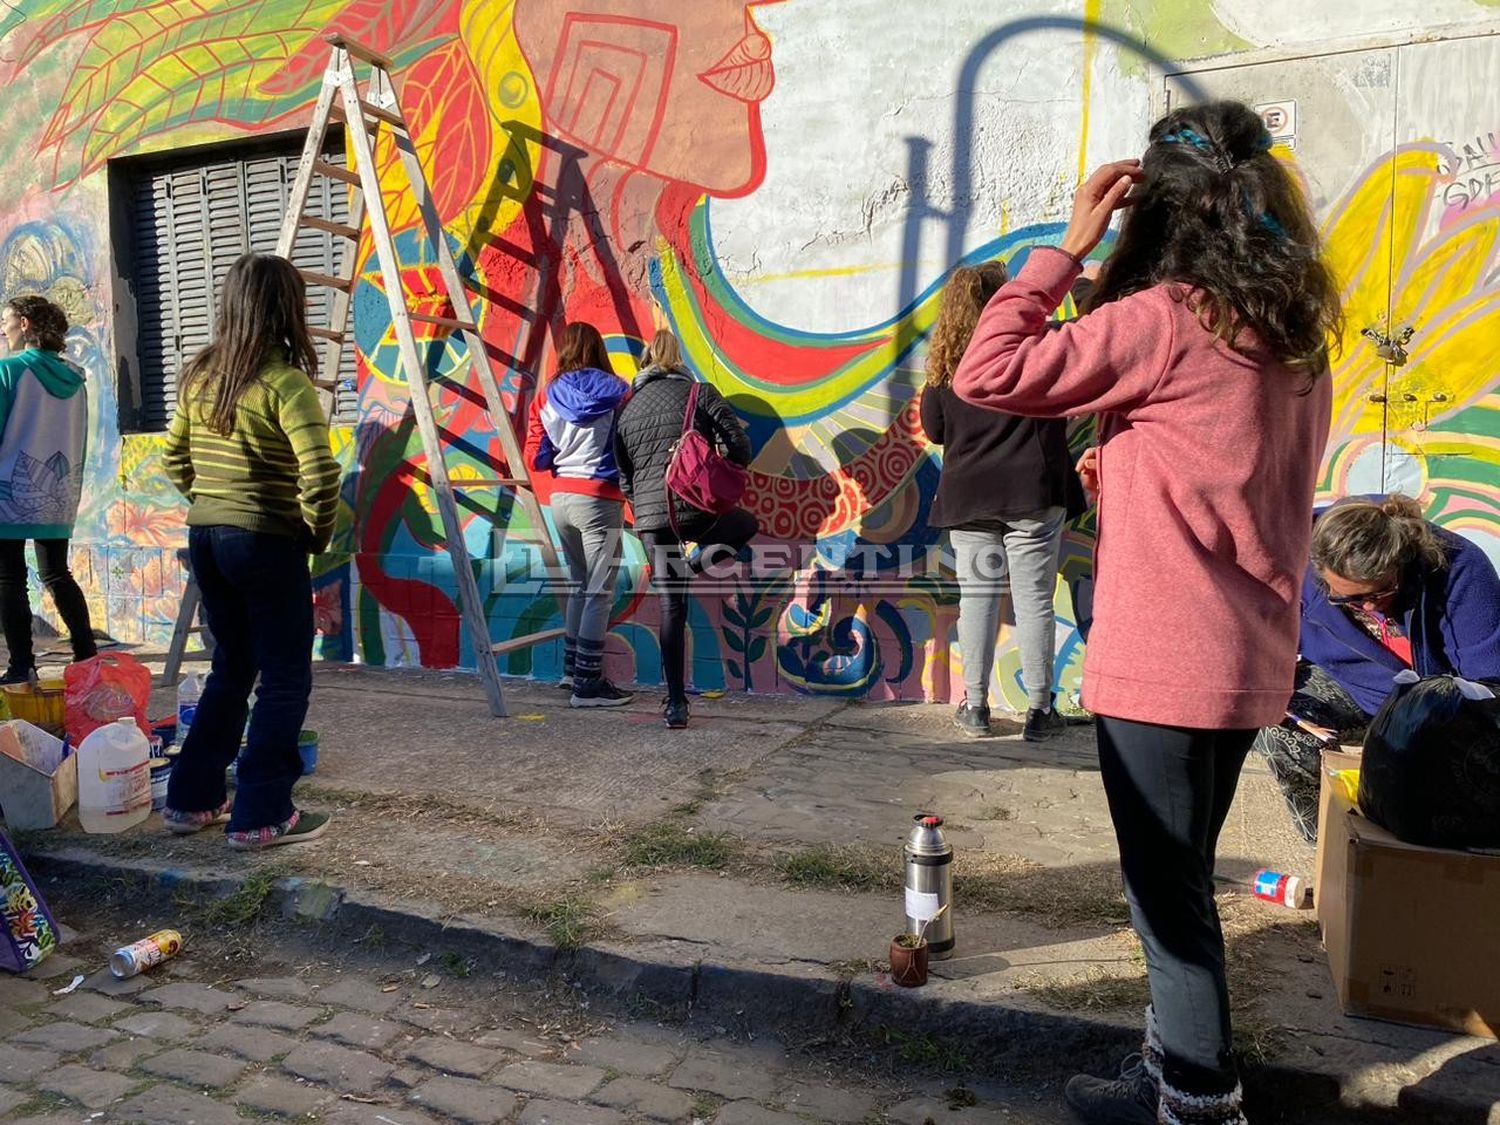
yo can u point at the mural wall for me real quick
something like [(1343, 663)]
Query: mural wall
[(786, 185)]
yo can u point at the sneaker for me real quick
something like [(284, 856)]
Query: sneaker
[(565, 684), (1042, 725), (17, 675), (674, 713), (973, 721), (1127, 1100), (187, 823), (302, 827), (598, 693)]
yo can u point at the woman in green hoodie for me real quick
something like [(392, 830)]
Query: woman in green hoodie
[(44, 420)]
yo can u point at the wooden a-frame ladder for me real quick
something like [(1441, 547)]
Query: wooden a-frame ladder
[(364, 114)]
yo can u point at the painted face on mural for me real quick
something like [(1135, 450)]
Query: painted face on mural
[(676, 96)]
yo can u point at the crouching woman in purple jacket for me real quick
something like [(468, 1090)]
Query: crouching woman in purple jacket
[(1387, 592)]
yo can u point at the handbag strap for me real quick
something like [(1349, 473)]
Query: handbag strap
[(690, 414)]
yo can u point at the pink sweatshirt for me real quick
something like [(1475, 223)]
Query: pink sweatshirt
[(1207, 470)]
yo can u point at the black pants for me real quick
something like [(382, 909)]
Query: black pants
[(1169, 790), (257, 595), (717, 539), (1296, 757), (15, 603)]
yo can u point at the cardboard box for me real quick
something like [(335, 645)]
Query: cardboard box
[(37, 784), (1411, 932)]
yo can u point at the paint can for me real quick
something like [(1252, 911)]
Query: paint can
[(307, 746), (161, 773), (131, 960)]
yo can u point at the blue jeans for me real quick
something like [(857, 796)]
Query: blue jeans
[(257, 597)]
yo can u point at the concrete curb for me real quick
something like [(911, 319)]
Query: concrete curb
[(657, 980)]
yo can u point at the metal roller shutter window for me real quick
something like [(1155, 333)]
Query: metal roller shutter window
[(190, 224)]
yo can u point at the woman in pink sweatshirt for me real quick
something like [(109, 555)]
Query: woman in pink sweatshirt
[(1204, 352)]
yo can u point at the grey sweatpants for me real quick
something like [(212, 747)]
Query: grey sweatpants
[(591, 531), (1026, 548)]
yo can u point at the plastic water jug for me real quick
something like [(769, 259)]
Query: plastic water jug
[(114, 778), (188, 694)]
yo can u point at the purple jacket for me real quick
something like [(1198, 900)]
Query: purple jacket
[(1452, 616)]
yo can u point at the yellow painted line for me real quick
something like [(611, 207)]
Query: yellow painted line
[(1091, 12)]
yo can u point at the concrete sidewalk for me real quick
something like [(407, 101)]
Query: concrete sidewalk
[(750, 864)]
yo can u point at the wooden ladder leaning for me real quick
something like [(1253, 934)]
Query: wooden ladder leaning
[(364, 114)]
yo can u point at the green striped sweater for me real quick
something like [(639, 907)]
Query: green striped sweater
[(274, 473)]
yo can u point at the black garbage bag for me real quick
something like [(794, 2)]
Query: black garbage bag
[(1431, 768)]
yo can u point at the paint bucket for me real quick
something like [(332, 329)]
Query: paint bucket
[(161, 773), (307, 746)]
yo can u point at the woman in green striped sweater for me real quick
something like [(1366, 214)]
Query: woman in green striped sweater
[(249, 448)]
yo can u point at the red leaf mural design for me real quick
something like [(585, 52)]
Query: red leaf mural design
[(445, 109), (385, 25)]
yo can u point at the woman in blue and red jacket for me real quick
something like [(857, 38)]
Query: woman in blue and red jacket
[(1387, 592)]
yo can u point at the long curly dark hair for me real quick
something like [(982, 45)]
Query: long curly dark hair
[(968, 290), (1224, 220)]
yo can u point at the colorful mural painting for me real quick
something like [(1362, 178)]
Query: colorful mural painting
[(640, 163)]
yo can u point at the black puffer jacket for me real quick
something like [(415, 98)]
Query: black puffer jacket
[(650, 424)]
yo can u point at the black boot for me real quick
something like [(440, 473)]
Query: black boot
[(1130, 1099)]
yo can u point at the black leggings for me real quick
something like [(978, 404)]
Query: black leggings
[(670, 574), (15, 602), (1169, 790)]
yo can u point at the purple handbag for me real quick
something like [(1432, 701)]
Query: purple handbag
[(28, 933)]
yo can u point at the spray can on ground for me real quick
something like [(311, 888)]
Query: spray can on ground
[(929, 884), (1284, 890), (131, 960)]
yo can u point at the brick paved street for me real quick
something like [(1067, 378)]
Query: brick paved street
[(256, 1020)]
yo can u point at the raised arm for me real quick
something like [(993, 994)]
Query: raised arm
[(1108, 361)]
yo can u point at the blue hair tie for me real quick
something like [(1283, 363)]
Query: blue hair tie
[(1267, 221), (1186, 136)]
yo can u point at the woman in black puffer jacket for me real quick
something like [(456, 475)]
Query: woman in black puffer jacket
[(648, 428)]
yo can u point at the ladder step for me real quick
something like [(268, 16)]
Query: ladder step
[(325, 333), (360, 51), (336, 113), (336, 172), (313, 277), (444, 322), (389, 116), (342, 229), (528, 640)]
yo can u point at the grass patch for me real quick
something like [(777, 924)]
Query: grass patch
[(705, 1106), (995, 812), (1096, 990), (570, 921), (456, 965), (928, 1051), (246, 903), (670, 843), (846, 868), (1055, 897)]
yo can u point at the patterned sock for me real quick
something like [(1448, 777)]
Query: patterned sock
[(589, 662), (1177, 1107)]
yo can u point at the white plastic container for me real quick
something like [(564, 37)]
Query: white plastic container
[(114, 778), (188, 694)]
